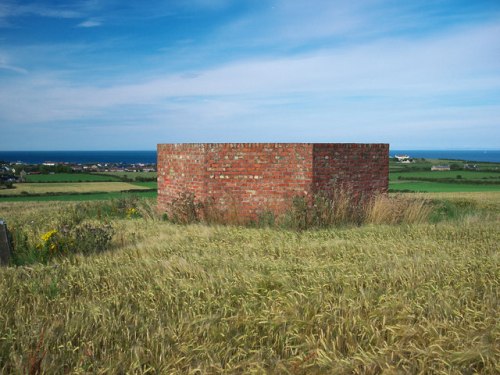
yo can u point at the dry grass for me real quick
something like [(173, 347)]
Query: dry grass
[(488, 200), (23, 211), (411, 298), (341, 208), (70, 187), (397, 209)]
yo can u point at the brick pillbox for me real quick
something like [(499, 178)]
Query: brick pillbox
[(259, 177)]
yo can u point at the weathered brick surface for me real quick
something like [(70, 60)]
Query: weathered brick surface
[(363, 169), (255, 177)]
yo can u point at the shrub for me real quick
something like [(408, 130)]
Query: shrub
[(83, 238), (126, 207), (340, 208), (266, 219), (452, 210), (145, 179), (54, 243), (298, 216), (23, 252), (185, 209), (147, 209), (92, 238)]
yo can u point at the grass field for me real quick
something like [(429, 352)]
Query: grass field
[(69, 177), (76, 191), (70, 188), (78, 197), (401, 175), (370, 299), (466, 175), (428, 186), (484, 201), (131, 175), (147, 184)]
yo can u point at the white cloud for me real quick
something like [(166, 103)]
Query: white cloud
[(453, 63), (90, 23)]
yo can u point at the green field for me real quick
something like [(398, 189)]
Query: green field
[(131, 175), (395, 166), (70, 188), (69, 177), (427, 186), (412, 298), (406, 177), (434, 187), (426, 164), (465, 175), (148, 184), (73, 190), (78, 197)]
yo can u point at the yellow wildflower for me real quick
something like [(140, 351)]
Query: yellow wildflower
[(48, 236), (131, 212)]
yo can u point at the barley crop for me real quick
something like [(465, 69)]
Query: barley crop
[(411, 298)]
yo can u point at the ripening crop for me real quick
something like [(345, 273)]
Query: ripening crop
[(415, 298)]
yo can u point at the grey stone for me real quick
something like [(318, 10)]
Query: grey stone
[(5, 245)]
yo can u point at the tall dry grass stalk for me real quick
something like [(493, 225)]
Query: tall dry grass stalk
[(344, 208), (384, 209), (147, 209), (341, 207)]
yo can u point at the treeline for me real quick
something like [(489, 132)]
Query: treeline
[(126, 178), (137, 179), (44, 169)]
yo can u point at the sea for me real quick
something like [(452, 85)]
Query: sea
[(149, 156), (80, 157), (492, 156)]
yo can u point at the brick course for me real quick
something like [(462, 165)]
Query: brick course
[(256, 177)]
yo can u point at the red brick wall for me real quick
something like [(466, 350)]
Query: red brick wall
[(258, 176), (363, 169), (181, 168), (255, 177)]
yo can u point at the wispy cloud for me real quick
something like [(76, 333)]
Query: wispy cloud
[(454, 63), (13, 9), (13, 68), (342, 71), (90, 23), (5, 64)]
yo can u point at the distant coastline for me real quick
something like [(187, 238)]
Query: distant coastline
[(492, 156), (149, 157)]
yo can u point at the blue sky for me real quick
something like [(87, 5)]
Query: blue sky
[(126, 75)]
